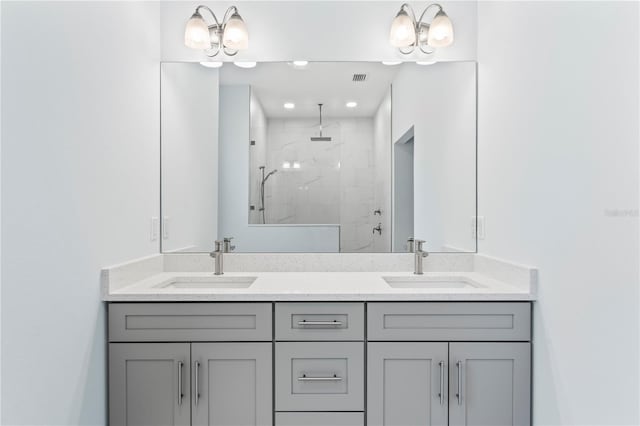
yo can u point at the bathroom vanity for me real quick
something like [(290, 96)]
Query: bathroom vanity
[(319, 348)]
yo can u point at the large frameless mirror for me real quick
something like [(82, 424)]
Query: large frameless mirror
[(319, 157)]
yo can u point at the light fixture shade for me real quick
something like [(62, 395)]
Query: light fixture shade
[(403, 30), (196, 33), (235, 35), (440, 31)]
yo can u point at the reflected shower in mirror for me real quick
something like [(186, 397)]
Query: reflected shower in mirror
[(327, 157)]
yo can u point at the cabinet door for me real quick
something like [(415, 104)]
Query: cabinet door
[(407, 384), (149, 384), (232, 384), (490, 384)]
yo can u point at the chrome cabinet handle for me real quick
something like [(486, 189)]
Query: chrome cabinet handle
[(459, 394), (197, 373), (180, 393), (305, 322), (306, 378), (441, 382)]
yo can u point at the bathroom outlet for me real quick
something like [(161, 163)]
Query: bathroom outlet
[(154, 224), (165, 228), (477, 227)]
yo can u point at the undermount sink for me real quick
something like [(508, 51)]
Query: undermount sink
[(213, 282), (426, 282)]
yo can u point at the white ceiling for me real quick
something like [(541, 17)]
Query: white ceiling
[(329, 83)]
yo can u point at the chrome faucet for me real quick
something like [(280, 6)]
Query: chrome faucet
[(217, 255), (419, 255)]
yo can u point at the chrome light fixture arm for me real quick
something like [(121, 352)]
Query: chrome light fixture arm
[(421, 28), (217, 30)]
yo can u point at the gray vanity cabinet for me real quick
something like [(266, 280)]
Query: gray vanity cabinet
[(449, 363), (190, 364), (490, 384), (149, 383), (407, 384), (231, 384)]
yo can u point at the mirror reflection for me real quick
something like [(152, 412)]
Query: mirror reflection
[(319, 157)]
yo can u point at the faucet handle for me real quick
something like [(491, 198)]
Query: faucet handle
[(227, 244)]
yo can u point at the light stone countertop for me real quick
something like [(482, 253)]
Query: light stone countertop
[(146, 280)]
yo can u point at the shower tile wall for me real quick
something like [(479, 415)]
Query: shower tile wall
[(323, 182), (257, 157)]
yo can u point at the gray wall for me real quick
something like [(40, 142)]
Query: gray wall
[(80, 131)]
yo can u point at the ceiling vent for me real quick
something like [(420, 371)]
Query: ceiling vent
[(359, 77)]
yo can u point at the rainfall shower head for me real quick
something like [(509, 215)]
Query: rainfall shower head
[(320, 138)]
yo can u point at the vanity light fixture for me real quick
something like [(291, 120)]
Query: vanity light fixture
[(230, 36), (216, 64), (289, 105), (286, 165), (391, 63), (351, 104), (296, 165), (300, 64), (245, 64), (407, 32)]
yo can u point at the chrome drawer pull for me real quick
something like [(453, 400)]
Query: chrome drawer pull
[(305, 378), (180, 392), (459, 393), (197, 373), (305, 322), (441, 394)]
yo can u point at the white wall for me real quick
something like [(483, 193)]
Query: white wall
[(318, 30), (80, 131), (382, 164), (233, 198), (439, 102), (558, 176), (189, 156)]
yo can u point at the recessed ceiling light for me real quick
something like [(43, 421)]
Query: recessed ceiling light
[(425, 62), (391, 62), (245, 64), (289, 105), (351, 104), (217, 64), (300, 63)]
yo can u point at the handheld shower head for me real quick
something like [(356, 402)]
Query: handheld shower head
[(269, 175)]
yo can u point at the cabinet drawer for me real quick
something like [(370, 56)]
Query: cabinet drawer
[(189, 322), (313, 376), (449, 321), (319, 419), (319, 321)]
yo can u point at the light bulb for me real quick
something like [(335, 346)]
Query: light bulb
[(245, 64), (440, 31), (212, 64), (196, 33), (235, 34), (403, 31)]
